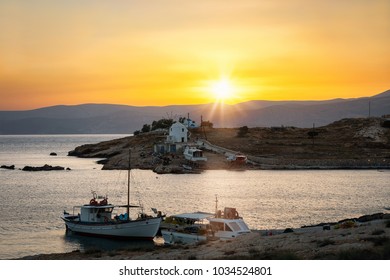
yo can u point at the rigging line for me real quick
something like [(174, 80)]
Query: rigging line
[(119, 184), (139, 192), (136, 196)]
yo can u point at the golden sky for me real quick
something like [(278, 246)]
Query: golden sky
[(163, 52)]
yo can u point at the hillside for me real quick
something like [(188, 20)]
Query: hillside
[(108, 118), (347, 143)]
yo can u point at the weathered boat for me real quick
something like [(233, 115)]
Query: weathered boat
[(201, 226), (96, 219), (194, 154), (187, 228)]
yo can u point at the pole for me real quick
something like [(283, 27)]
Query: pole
[(216, 205), (369, 109), (128, 188), (313, 133)]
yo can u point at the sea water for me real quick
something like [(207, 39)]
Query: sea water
[(31, 203)]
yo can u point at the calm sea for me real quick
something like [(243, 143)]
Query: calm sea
[(32, 202)]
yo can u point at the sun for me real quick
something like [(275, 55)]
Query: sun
[(222, 90)]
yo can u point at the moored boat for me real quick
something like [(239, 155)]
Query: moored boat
[(194, 154), (96, 219), (228, 224), (201, 226), (187, 228)]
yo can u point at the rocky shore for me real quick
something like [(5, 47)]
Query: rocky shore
[(348, 239), (346, 144), (45, 167)]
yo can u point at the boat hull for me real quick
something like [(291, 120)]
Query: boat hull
[(137, 229), (174, 237)]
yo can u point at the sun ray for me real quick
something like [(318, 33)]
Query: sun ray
[(222, 90)]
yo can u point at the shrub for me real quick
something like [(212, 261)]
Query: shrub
[(357, 254), (378, 241), (325, 242), (378, 232), (228, 253), (346, 224), (242, 131)]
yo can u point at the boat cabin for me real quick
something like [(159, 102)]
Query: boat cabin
[(96, 214), (228, 224), (228, 228)]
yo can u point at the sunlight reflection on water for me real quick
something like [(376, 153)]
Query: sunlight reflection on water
[(32, 202)]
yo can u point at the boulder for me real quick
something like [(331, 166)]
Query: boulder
[(287, 230), (53, 154), (326, 227)]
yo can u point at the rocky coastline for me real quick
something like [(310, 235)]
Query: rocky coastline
[(346, 144), (348, 239), (45, 167)]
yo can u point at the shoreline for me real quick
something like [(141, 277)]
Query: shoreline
[(346, 144), (346, 239)]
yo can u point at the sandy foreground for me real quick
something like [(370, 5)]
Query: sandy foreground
[(350, 240)]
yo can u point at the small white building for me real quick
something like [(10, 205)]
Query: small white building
[(190, 123), (178, 133)]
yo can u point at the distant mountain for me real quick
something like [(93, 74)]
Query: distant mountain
[(108, 118)]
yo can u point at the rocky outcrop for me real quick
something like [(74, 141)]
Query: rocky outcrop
[(346, 144), (352, 221), (114, 154), (46, 167), (10, 167)]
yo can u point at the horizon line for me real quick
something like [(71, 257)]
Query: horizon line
[(194, 104)]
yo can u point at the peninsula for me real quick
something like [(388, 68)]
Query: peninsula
[(354, 143)]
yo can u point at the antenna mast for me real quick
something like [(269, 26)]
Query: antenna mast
[(216, 204), (369, 108), (128, 187)]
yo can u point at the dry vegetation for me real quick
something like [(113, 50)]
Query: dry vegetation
[(348, 143), (344, 139), (370, 240)]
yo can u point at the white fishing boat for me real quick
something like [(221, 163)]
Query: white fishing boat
[(96, 219), (190, 228), (194, 154), (228, 224)]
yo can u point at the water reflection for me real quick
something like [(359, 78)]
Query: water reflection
[(89, 243)]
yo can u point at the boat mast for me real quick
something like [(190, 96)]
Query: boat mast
[(128, 187), (216, 205)]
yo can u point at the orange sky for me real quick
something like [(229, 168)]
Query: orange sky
[(171, 52)]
